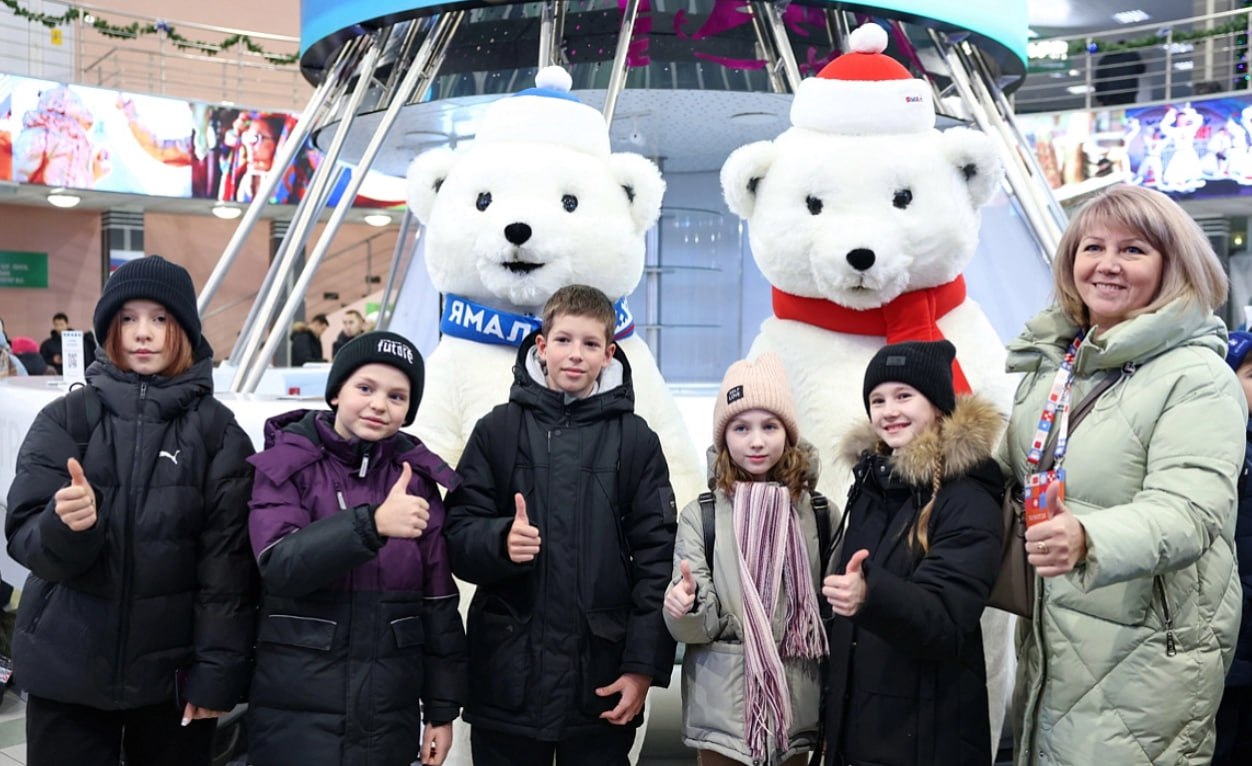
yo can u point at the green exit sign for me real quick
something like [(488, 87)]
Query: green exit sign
[(19, 269)]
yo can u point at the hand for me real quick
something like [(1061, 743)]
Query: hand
[(436, 742), (846, 592), (634, 690), (402, 514), (1054, 547), (76, 504), (681, 596), (523, 540), (195, 712)]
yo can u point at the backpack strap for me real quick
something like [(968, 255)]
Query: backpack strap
[(504, 448), (708, 522), (82, 414), (821, 513)]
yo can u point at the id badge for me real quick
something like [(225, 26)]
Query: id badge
[(1036, 488)]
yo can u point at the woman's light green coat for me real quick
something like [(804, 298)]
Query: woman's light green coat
[(1151, 475)]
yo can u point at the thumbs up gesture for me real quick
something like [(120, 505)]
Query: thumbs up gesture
[(76, 504), (1054, 547), (846, 592), (681, 596), (402, 514), (523, 540)]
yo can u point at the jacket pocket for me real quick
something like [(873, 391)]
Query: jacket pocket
[(42, 594), (408, 632), (499, 653), (293, 630), (600, 662), (1125, 603), (712, 691)]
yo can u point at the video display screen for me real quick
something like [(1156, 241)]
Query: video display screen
[(1198, 148), (80, 137)]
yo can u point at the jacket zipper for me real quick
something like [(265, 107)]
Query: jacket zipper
[(127, 564), (1171, 645)]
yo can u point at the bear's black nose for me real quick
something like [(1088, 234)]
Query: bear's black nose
[(518, 233), (861, 258)]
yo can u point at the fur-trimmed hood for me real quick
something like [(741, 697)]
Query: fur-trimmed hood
[(964, 439)]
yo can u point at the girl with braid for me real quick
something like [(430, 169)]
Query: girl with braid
[(920, 551), (747, 569)]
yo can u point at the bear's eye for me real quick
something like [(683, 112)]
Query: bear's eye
[(569, 202), (815, 204), (903, 198), (484, 201)]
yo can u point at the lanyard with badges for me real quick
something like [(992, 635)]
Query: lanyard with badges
[(1058, 399)]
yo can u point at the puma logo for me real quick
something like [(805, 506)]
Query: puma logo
[(173, 458)]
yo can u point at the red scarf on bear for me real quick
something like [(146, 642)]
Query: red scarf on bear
[(911, 316)]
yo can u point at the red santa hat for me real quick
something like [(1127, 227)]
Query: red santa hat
[(864, 92)]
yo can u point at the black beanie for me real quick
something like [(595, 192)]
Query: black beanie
[(379, 348), (155, 279), (924, 365)]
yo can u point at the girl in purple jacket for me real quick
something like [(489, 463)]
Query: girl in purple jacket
[(360, 640)]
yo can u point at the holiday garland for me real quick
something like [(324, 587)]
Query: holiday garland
[(135, 29), (1077, 47)]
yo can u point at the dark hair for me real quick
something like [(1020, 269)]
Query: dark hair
[(581, 301), (320, 318), (62, 316)]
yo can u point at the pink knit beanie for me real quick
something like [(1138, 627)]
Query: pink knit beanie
[(755, 384)]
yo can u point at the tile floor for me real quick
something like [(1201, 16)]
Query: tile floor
[(12, 729)]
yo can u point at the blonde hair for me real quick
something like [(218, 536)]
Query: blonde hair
[(791, 471), (177, 347), (1190, 269)]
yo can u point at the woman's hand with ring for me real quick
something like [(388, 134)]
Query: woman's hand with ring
[(1054, 547)]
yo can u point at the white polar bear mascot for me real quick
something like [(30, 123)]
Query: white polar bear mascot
[(536, 202), (862, 216)]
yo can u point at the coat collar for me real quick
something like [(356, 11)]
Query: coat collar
[(964, 439)]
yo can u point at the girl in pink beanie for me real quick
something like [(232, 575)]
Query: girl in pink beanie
[(747, 571)]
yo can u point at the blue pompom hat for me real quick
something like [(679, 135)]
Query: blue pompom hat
[(549, 114), (1240, 343)]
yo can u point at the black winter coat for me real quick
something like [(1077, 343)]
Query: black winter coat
[(907, 678), (1241, 671), (305, 347), (164, 581), (544, 635)]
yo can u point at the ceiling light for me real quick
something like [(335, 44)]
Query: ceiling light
[(1078, 90), (1130, 17), (226, 212), (377, 219), (62, 198)]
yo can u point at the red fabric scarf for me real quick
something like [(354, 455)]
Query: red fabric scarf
[(911, 316)]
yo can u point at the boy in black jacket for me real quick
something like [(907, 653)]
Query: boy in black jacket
[(565, 521)]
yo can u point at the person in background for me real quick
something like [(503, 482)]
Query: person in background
[(137, 622), (27, 351), (11, 365), (1234, 715), (306, 341), (353, 325), (50, 349), (1137, 605)]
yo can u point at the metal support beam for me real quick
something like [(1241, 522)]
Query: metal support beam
[(782, 44), (617, 77), (403, 254), (245, 354), (310, 118), (416, 79), (765, 42)]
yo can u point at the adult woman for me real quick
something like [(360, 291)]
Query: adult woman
[(1137, 607), (129, 507)]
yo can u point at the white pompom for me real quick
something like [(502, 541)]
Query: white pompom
[(868, 38), (555, 78)]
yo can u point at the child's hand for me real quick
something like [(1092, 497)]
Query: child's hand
[(402, 514), (436, 742), (634, 690), (76, 504), (681, 596), (523, 540), (846, 592), (195, 713)]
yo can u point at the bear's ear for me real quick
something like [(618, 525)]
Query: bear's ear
[(975, 158), (742, 171), (642, 184), (426, 174)]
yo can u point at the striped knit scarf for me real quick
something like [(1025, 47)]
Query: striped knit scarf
[(773, 558)]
